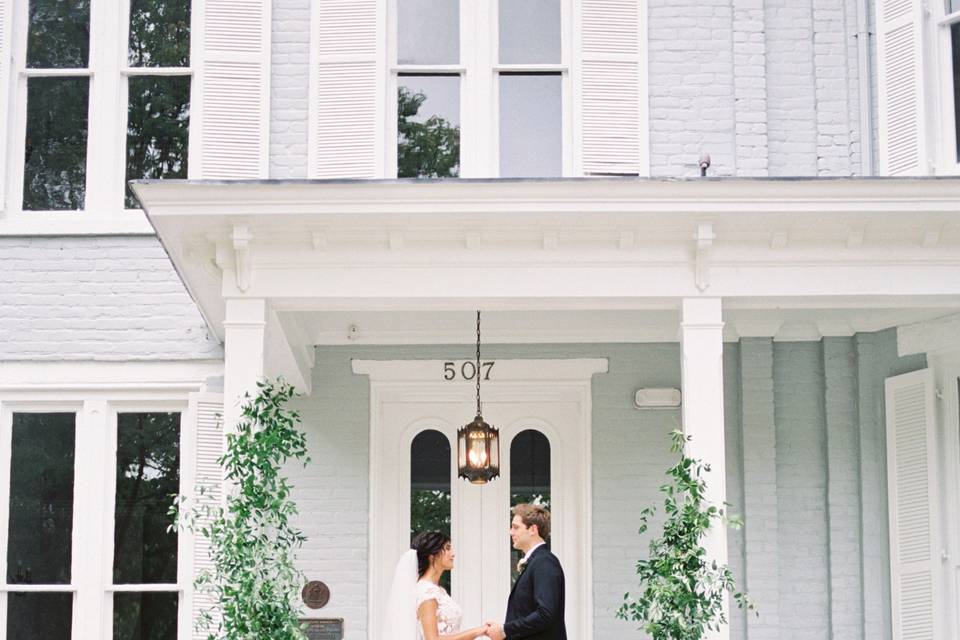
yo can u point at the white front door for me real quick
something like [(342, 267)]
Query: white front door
[(542, 409)]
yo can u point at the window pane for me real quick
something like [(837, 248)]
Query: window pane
[(530, 126), (159, 33), (955, 36), (428, 31), (145, 616), (55, 154), (148, 474), (430, 486), (529, 477), (41, 498), (39, 616), (59, 36), (158, 124), (529, 31), (953, 5), (428, 127)]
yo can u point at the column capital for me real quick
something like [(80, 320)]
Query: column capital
[(701, 312), (245, 312)]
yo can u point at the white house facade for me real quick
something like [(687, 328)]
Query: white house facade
[(197, 195)]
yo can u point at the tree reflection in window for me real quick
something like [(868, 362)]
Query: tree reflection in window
[(430, 486), (428, 128), (529, 477), (147, 476)]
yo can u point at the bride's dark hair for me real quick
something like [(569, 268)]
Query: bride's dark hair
[(428, 544)]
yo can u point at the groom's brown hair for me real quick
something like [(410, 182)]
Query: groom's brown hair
[(534, 514)]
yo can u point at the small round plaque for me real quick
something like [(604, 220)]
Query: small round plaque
[(315, 594)]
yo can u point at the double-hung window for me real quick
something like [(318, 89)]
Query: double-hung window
[(85, 524), (101, 96), (482, 88), (949, 27)]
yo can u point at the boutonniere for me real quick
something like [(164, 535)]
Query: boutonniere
[(521, 566)]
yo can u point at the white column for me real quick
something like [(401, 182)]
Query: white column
[(702, 382), (244, 331)]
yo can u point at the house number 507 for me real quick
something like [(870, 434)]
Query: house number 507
[(466, 371)]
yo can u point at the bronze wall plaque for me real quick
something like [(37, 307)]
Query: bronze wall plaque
[(323, 628), (315, 594)]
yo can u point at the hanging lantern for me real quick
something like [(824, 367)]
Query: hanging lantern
[(478, 443)]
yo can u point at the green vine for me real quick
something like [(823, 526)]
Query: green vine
[(254, 580), (681, 589)]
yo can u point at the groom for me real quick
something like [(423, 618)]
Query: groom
[(536, 605)]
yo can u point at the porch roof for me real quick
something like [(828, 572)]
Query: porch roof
[(574, 259)]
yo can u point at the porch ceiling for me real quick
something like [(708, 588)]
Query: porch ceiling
[(566, 259)]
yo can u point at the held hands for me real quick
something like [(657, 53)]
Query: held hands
[(494, 631)]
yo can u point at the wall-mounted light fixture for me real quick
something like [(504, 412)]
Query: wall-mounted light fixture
[(657, 398)]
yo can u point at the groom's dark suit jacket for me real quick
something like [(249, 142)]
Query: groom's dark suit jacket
[(536, 606)]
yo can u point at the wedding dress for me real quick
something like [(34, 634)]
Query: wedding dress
[(449, 613), (407, 594)]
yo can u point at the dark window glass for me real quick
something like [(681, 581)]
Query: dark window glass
[(955, 36), (158, 129), (39, 616), (159, 33), (148, 475), (529, 477), (59, 34), (529, 31), (430, 486), (145, 616), (428, 31), (530, 126), (41, 498), (55, 153), (428, 127)]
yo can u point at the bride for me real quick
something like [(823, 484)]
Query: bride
[(418, 607)]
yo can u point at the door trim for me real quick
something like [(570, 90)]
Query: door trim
[(529, 380)]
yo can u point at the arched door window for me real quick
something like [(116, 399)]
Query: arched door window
[(529, 477), (430, 486)]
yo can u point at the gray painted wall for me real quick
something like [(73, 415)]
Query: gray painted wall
[(805, 466)]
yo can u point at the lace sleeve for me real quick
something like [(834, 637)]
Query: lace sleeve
[(424, 593)]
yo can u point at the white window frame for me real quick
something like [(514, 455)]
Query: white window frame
[(108, 70), (946, 152), (96, 406), (479, 72)]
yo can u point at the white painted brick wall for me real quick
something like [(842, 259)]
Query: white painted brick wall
[(96, 298), (691, 86), (289, 88)]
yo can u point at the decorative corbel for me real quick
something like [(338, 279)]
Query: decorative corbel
[(704, 238), (241, 238)]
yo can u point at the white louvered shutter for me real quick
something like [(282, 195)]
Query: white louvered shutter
[(208, 475), (916, 594), (346, 71), (902, 117), (6, 18), (610, 73), (234, 89)]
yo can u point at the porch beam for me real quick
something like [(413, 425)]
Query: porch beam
[(701, 374), (244, 340)]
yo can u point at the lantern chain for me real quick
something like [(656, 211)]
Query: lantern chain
[(478, 363)]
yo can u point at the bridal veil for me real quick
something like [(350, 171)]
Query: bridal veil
[(400, 620)]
